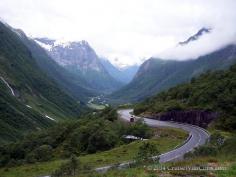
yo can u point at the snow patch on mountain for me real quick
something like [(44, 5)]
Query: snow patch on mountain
[(28, 106), (8, 85), (49, 44), (50, 118), (43, 45), (62, 43)]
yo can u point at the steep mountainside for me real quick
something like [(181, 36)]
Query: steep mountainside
[(124, 75), (16, 119), (210, 96), (156, 75), (40, 100), (81, 59), (73, 84)]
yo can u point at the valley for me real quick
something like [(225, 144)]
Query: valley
[(97, 102), (77, 100)]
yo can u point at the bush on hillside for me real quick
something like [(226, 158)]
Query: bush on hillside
[(145, 153), (92, 133)]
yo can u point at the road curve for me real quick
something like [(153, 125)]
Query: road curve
[(197, 137)]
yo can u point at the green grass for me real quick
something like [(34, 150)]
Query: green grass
[(231, 172), (96, 106), (132, 172), (226, 158), (32, 86), (165, 139), (142, 172), (31, 170), (45, 107), (126, 152)]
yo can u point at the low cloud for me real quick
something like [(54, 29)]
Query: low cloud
[(124, 31), (209, 42)]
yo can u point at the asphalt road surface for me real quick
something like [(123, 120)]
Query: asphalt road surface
[(197, 137)]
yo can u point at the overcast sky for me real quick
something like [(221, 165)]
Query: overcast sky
[(128, 31)]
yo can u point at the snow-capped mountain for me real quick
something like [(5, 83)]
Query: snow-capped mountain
[(78, 54), (79, 57)]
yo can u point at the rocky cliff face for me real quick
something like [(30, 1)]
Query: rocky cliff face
[(81, 59), (79, 54), (195, 117)]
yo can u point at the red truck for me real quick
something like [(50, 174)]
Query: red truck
[(131, 119)]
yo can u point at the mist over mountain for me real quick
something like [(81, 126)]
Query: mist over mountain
[(156, 74), (124, 74), (203, 42), (117, 88), (196, 36)]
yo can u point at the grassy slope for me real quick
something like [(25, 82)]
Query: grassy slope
[(32, 87), (167, 139), (141, 172), (96, 106), (70, 83), (17, 119), (225, 158), (20, 69)]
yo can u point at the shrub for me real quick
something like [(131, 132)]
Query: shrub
[(202, 151), (68, 169), (140, 129), (42, 153), (145, 153), (217, 140)]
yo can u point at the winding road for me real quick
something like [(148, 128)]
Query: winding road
[(197, 137)]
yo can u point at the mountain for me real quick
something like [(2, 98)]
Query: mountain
[(196, 36), (211, 95), (156, 75), (73, 84), (124, 75), (16, 118), (80, 59), (29, 98)]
